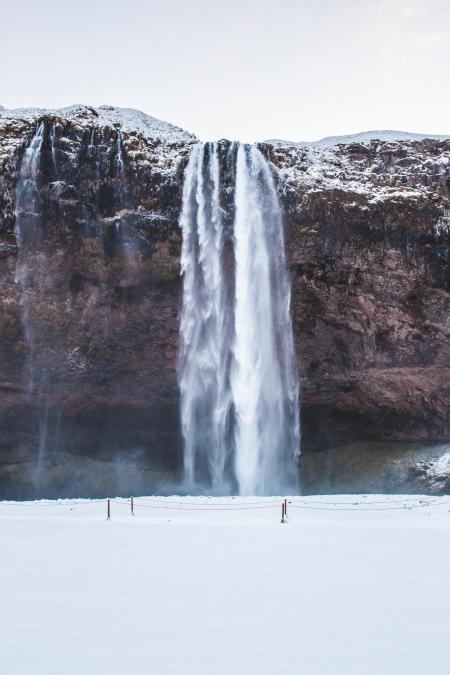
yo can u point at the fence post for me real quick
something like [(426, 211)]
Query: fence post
[(282, 513), (285, 508), (132, 506), (108, 517)]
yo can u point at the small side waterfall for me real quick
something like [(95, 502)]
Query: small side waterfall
[(27, 229), (47, 171), (30, 272), (238, 382)]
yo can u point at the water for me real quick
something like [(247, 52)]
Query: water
[(28, 230), (125, 240), (30, 274), (237, 376), (205, 325), (263, 374), (44, 165), (119, 165)]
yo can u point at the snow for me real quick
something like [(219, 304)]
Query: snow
[(128, 119), (362, 137), (437, 470), (441, 466), (366, 176), (352, 585)]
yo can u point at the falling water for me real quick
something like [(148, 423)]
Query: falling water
[(27, 229), (238, 382), (125, 239), (120, 162), (29, 270), (119, 165), (205, 330), (263, 377), (100, 170)]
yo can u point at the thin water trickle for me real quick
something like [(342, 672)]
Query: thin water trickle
[(105, 199), (27, 229), (30, 269)]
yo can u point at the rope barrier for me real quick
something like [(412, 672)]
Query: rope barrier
[(172, 505), (236, 508), (273, 500)]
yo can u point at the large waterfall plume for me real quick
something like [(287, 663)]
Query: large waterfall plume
[(205, 324), (237, 373)]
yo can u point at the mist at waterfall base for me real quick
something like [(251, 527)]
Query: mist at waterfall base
[(237, 374)]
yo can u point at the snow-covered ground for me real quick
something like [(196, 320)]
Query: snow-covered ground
[(350, 586)]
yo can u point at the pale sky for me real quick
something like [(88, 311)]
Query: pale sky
[(238, 69)]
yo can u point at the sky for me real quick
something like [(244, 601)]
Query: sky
[(239, 69)]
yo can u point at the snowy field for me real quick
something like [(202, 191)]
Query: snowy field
[(349, 586)]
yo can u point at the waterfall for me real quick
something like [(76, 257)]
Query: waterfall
[(100, 170), (119, 166), (205, 330), (27, 230), (30, 273), (126, 241), (237, 375), (264, 384)]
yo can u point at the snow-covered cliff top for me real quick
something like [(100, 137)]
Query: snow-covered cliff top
[(362, 137), (378, 170), (128, 119)]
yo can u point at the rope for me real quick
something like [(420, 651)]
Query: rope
[(170, 505), (236, 508), (274, 500)]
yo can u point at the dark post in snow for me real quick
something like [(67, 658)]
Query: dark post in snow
[(132, 506), (108, 517), (285, 508), (283, 513)]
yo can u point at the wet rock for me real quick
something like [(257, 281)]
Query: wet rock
[(434, 474)]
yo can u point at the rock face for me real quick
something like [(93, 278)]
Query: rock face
[(90, 295), (89, 338), (368, 237)]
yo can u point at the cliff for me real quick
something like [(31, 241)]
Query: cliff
[(90, 295), (368, 236)]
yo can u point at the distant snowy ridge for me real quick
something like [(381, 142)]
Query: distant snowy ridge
[(362, 137), (128, 119)]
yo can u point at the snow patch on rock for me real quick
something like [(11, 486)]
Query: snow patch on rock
[(361, 137), (128, 119), (374, 171), (436, 472)]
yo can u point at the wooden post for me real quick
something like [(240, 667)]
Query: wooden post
[(282, 512), (109, 510), (132, 506), (285, 508)]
